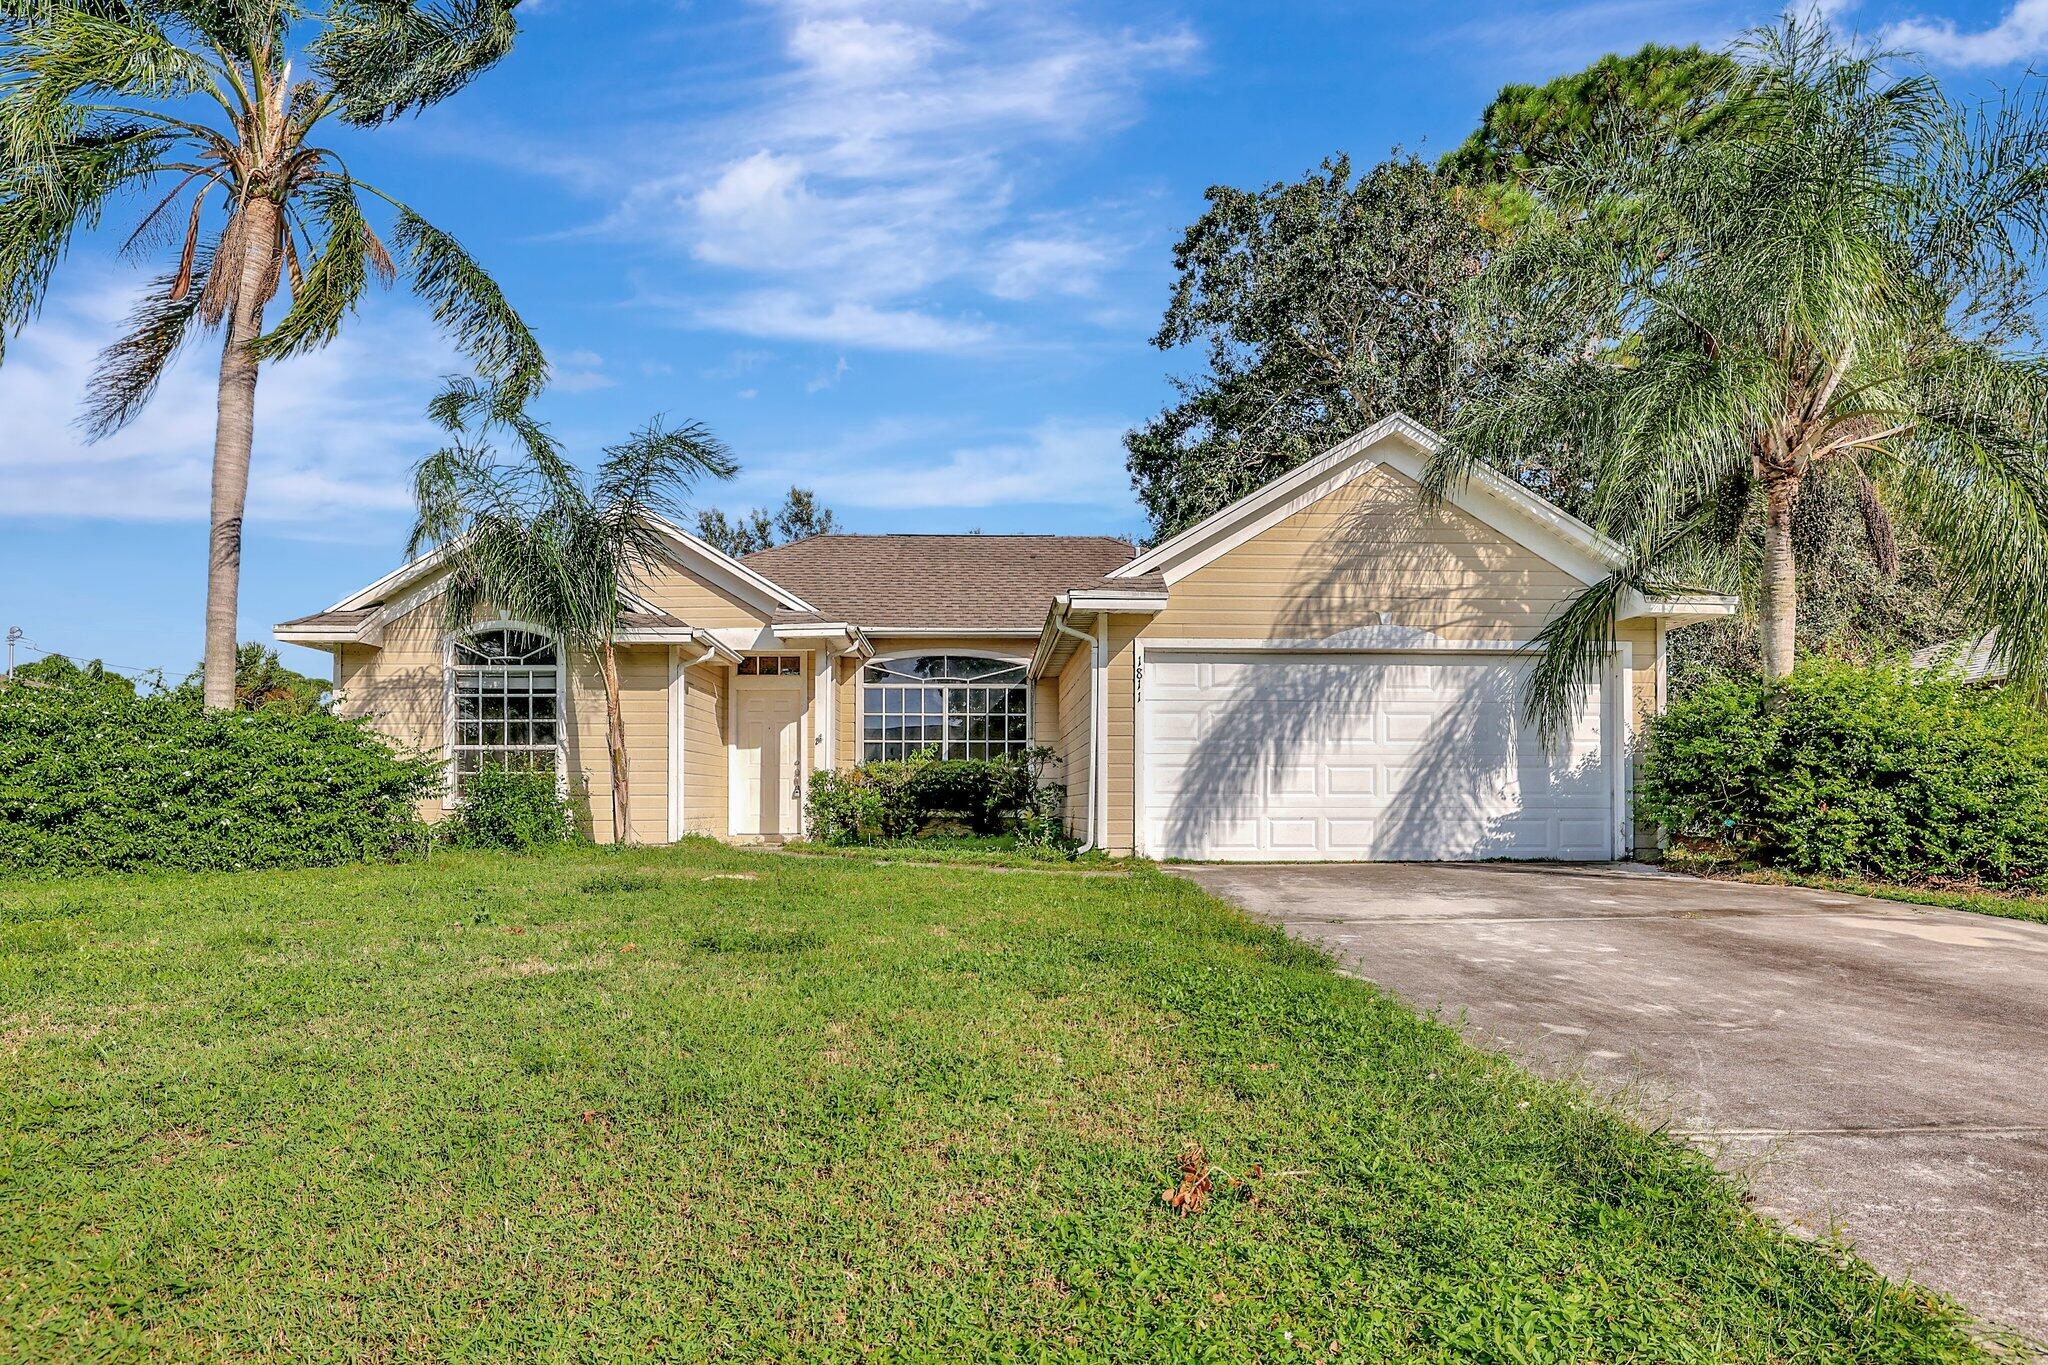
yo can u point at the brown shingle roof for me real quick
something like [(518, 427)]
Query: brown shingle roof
[(964, 583), (329, 620)]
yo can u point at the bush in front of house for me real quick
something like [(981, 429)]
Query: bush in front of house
[(92, 779), (887, 801), (1858, 772), (513, 812)]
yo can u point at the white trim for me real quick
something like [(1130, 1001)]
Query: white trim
[(828, 714), (768, 682), (861, 685), (1681, 607), (1349, 643), (1098, 737), (731, 568), (1138, 737), (1617, 728), (1133, 603), (404, 573), (678, 692), (945, 632), (724, 570), (1487, 495), (563, 717)]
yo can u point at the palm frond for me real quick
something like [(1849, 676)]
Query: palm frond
[(339, 275), (47, 199), (128, 372), (388, 58), (469, 304)]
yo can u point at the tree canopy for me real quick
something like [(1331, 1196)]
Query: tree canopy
[(211, 119), (800, 517), (1320, 306), (262, 679), (1827, 288)]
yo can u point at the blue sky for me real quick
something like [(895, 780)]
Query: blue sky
[(906, 252)]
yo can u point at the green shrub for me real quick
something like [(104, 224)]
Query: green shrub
[(878, 802), (1841, 771), (92, 779), (515, 812)]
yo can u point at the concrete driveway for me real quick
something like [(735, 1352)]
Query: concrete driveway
[(1875, 1069)]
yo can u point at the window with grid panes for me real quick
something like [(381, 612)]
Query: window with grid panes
[(949, 705), (505, 697)]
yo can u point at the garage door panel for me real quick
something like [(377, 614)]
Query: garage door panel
[(1359, 756)]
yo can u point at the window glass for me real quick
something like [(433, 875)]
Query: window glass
[(770, 665), (504, 702), (950, 705)]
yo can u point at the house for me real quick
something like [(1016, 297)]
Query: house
[(1329, 669)]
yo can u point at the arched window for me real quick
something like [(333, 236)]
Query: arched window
[(950, 705), (504, 697)]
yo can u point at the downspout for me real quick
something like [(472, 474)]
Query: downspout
[(1094, 749)]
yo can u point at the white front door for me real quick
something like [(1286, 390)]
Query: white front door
[(1273, 757), (768, 754)]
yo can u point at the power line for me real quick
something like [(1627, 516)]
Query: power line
[(14, 635)]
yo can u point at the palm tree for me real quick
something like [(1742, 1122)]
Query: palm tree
[(192, 108), (532, 539), (1827, 289)]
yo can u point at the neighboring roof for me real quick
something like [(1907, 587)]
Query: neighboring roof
[(938, 582), (1970, 660)]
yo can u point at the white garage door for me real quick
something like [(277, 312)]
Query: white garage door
[(1364, 756)]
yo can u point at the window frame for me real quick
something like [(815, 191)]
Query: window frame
[(1024, 685), (451, 673)]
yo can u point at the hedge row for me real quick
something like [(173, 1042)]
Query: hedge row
[(97, 781), (1856, 772)]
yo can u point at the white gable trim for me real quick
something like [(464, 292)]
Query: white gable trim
[(727, 572), (1404, 445), (714, 565)]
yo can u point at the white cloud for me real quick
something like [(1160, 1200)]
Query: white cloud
[(1025, 267), (830, 379), (2022, 35), (581, 372), (336, 431), (1058, 461), (790, 315), (885, 161)]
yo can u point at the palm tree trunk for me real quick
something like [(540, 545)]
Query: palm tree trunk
[(615, 741), (234, 433), (1779, 628)]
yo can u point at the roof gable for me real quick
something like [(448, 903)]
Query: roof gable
[(1405, 446), (714, 565)]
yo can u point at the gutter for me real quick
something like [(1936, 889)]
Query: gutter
[(1095, 653)]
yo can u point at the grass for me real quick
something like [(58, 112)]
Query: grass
[(2005, 904), (987, 850), (702, 1102)]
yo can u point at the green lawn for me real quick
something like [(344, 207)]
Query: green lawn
[(702, 1102)]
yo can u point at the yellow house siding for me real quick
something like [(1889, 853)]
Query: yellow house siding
[(401, 689), (643, 708), (846, 712), (705, 756), (695, 599), (1073, 740), (1370, 547), (1120, 777)]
